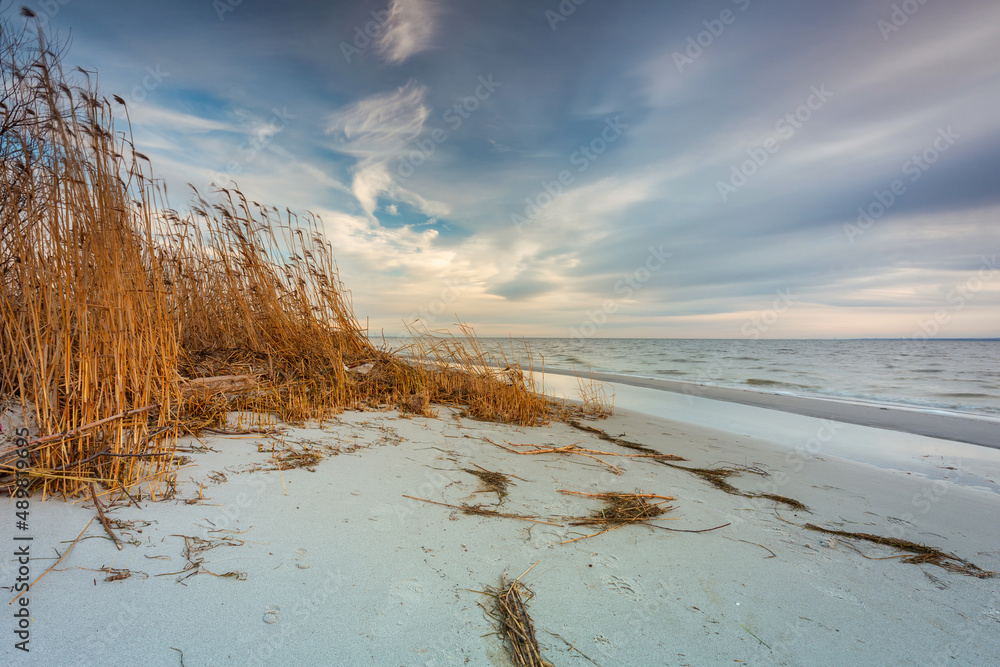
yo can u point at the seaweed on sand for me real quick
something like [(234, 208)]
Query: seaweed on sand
[(920, 553), (478, 510), (493, 482), (620, 509), (604, 435), (718, 477)]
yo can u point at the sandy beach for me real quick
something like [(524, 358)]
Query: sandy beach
[(333, 565)]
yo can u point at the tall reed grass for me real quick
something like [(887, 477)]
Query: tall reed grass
[(86, 324), (125, 323)]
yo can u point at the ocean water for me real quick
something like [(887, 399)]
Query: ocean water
[(952, 375)]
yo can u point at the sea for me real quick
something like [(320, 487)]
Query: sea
[(960, 376)]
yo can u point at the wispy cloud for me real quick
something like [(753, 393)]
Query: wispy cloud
[(170, 119), (377, 130), (380, 125), (410, 28)]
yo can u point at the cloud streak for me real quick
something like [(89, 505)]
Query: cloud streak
[(377, 130), (409, 30), (380, 125)]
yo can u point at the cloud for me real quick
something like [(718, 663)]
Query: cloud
[(166, 119), (370, 180), (410, 29), (377, 130), (783, 230), (380, 125), (523, 288)]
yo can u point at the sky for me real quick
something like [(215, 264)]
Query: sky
[(588, 168)]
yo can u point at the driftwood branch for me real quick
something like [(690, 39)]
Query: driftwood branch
[(33, 444), (219, 383)]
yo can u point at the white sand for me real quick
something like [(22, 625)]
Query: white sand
[(342, 570)]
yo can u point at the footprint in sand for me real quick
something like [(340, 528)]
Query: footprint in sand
[(300, 562), (605, 560), (547, 539), (409, 590), (627, 588), (271, 615), (841, 594)]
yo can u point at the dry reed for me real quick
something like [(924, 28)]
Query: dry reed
[(514, 624), (919, 553), (86, 329), (492, 482), (620, 509), (124, 323)]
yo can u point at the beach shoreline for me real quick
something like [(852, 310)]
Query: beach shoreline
[(958, 427)]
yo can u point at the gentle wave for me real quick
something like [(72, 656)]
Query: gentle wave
[(938, 374)]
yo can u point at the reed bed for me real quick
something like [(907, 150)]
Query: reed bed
[(86, 330), (124, 323)]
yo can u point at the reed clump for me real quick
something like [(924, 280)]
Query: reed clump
[(620, 509), (124, 323), (514, 625), (86, 324), (623, 508), (459, 371), (492, 482)]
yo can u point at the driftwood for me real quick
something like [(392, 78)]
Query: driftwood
[(35, 444), (218, 383), (104, 519)]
